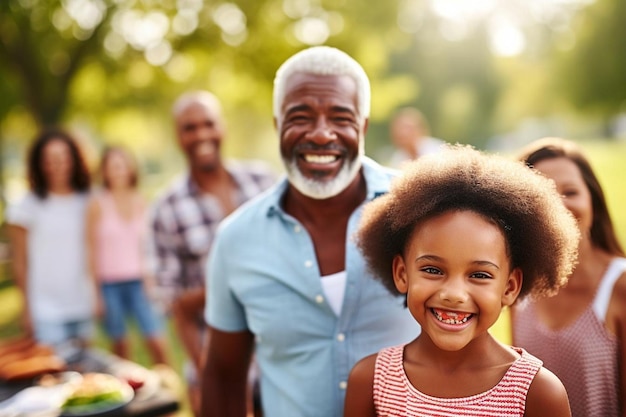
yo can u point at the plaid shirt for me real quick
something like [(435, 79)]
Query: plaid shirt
[(184, 223)]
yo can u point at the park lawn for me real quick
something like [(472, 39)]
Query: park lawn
[(608, 160), (11, 303)]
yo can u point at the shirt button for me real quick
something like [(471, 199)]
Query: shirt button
[(297, 228), (308, 264), (343, 385), (319, 299), (341, 337)]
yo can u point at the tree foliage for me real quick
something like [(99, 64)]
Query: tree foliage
[(593, 72), (112, 68), (42, 60)]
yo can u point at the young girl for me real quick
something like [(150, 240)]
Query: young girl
[(47, 233), (585, 323), (461, 235), (116, 225)]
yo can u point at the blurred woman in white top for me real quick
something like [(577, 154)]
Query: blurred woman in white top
[(46, 230)]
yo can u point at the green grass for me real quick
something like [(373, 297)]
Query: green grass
[(10, 308), (608, 160)]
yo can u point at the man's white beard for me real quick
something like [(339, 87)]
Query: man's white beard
[(319, 189)]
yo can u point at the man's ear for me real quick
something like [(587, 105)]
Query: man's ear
[(400, 277), (513, 287), (275, 123), (366, 124)]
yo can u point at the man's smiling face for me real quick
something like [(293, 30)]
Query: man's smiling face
[(321, 133)]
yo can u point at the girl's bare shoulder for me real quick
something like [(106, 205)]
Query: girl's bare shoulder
[(360, 393), (364, 369), (547, 396)]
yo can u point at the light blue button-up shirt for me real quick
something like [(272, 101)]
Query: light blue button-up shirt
[(264, 277)]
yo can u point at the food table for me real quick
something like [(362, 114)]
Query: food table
[(152, 398)]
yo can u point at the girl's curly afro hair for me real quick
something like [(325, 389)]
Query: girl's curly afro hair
[(541, 234)]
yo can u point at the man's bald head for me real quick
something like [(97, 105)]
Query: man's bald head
[(200, 129), (202, 97)]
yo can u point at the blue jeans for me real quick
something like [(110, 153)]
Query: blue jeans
[(128, 299)]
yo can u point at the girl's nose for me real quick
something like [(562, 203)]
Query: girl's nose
[(454, 293)]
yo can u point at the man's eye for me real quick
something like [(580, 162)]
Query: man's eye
[(298, 118)]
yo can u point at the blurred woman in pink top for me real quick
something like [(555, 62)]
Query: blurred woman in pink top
[(116, 226)]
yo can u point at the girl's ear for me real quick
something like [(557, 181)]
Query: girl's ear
[(513, 287), (399, 274)]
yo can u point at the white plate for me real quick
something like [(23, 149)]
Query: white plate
[(35, 401), (151, 385), (127, 371)]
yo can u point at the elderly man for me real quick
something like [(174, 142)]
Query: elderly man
[(287, 282), (187, 214)]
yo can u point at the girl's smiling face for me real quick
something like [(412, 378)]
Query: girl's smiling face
[(457, 276)]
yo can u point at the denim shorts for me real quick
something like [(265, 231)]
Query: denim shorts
[(56, 334), (127, 299)]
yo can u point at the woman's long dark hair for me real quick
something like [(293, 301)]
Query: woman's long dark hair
[(80, 178), (602, 231)]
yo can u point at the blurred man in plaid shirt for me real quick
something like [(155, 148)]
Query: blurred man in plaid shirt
[(188, 212)]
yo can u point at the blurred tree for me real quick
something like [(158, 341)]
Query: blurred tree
[(113, 67), (42, 59), (593, 72), (62, 58), (458, 85)]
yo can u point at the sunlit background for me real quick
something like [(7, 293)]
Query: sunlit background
[(492, 73)]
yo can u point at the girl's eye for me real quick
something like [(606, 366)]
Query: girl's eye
[(431, 270), (481, 275)]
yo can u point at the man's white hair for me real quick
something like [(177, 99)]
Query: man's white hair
[(322, 60)]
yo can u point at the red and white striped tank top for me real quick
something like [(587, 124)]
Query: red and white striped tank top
[(394, 396)]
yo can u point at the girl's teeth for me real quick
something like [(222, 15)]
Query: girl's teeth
[(451, 317)]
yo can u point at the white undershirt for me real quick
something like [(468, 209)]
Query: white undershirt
[(334, 286)]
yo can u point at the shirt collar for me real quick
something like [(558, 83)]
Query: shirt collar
[(193, 188)]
